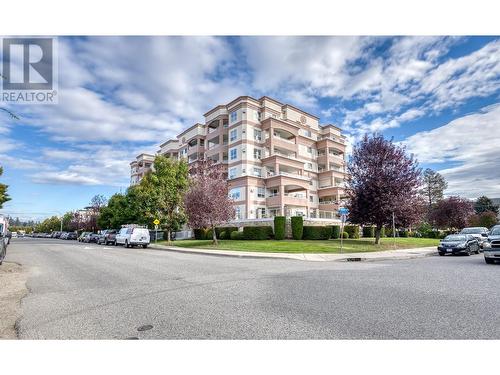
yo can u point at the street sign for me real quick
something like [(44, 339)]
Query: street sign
[(343, 211), (156, 222)]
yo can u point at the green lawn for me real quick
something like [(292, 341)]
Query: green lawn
[(330, 246)]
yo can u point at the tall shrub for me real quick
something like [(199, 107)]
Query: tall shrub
[(369, 231), (317, 233), (279, 227), (297, 227), (336, 231), (353, 231)]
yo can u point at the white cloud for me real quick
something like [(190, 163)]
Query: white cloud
[(471, 143)]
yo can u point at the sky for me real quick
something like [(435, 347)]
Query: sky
[(120, 96)]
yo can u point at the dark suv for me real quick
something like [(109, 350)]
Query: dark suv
[(107, 237)]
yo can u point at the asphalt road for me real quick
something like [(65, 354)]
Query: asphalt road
[(82, 291)]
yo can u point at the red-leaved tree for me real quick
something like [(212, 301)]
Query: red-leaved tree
[(207, 203), (452, 213), (383, 181)]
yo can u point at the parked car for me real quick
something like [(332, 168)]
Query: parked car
[(132, 236), (107, 237), (64, 235), (90, 237), (71, 236), (459, 244), (14, 234), (82, 236), (492, 247), (481, 233)]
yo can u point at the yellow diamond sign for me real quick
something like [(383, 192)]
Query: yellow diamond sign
[(156, 222)]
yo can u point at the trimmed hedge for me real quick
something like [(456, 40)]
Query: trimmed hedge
[(368, 231), (227, 232), (317, 233), (279, 227), (297, 227), (353, 231), (336, 231), (257, 233), (235, 235)]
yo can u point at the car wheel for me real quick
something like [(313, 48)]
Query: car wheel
[(489, 261), (468, 252), (126, 244), (441, 254), (478, 250), (144, 246)]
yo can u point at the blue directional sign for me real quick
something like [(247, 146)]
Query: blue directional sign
[(343, 211)]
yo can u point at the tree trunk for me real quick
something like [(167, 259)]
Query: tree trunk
[(214, 236), (378, 230)]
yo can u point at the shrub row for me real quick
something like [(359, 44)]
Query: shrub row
[(317, 233), (257, 233), (223, 233)]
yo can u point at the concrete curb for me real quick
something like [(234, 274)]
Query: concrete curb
[(309, 257)]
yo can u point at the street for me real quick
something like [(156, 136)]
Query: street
[(86, 291)]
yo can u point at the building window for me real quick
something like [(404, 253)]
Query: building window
[(257, 135), (257, 172), (311, 198), (274, 192), (235, 194), (309, 150), (233, 154), (233, 135), (261, 212), (257, 153), (256, 115), (307, 133), (234, 116), (238, 213), (261, 192), (232, 173), (309, 166)]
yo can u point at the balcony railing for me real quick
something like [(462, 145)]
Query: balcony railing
[(286, 174), (283, 139)]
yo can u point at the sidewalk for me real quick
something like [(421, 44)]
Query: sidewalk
[(311, 257)]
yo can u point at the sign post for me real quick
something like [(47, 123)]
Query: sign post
[(343, 212), (156, 222)]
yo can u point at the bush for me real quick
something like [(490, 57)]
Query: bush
[(297, 227), (382, 232), (317, 233), (257, 233), (235, 235), (345, 235), (199, 233), (209, 234), (403, 233), (279, 227), (352, 230), (228, 231), (369, 231), (336, 231)]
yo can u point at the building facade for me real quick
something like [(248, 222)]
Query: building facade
[(280, 160), (139, 167)]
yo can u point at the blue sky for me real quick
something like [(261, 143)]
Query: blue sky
[(119, 96)]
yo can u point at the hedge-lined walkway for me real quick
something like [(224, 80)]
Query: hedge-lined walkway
[(304, 246)]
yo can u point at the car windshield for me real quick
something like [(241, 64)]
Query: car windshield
[(454, 237), (495, 232), (472, 231)]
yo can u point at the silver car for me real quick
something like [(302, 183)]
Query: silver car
[(492, 246), (3, 241), (481, 233)]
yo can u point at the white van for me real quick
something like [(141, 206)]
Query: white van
[(132, 236)]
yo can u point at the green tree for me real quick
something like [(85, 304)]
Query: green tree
[(122, 209), (434, 187), (4, 197), (484, 204), (67, 219), (50, 224), (161, 193)]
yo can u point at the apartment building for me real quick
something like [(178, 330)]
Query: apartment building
[(280, 160), (140, 166)]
